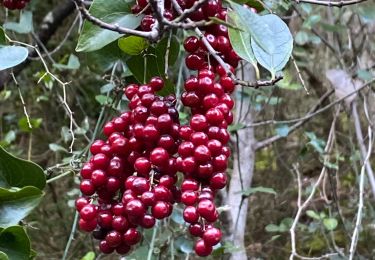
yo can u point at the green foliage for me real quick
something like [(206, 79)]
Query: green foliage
[(11, 56), (93, 37), (24, 26), (15, 172), (133, 45), (264, 39), (73, 64), (2, 36), (14, 244), (253, 190)]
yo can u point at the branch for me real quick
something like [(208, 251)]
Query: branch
[(259, 83), (305, 204), (365, 167), (152, 35), (189, 11), (268, 122), (362, 148), (51, 22), (269, 141), (330, 3)]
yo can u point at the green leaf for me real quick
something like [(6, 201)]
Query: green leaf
[(103, 100), (24, 125), (11, 56), (16, 204), (311, 21), (16, 172), (282, 130), (93, 37), (133, 45), (25, 25), (2, 36), (250, 191), (57, 148), (240, 40), (367, 12), (3, 256), (272, 228), (73, 64), (89, 256), (104, 59), (301, 38), (144, 67), (313, 214), (15, 243), (161, 49), (364, 74), (107, 88), (317, 143), (330, 223), (276, 59), (260, 31)]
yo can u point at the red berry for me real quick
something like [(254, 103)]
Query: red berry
[(159, 156), (191, 44), (135, 208), (156, 83), (190, 214), (131, 237), (161, 210), (201, 249), (113, 238)]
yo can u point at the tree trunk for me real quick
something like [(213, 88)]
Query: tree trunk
[(244, 160)]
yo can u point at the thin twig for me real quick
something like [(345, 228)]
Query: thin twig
[(355, 235), (330, 3), (305, 204)]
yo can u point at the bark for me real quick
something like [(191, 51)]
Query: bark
[(244, 160)]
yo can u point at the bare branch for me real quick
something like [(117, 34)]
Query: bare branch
[(330, 3), (269, 141), (152, 35)]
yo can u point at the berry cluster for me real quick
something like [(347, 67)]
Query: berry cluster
[(15, 4), (132, 174), (203, 152)]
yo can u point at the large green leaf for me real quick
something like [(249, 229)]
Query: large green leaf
[(260, 31), (276, 59), (16, 204), (25, 25), (240, 39), (93, 37), (15, 243), (16, 172), (3, 256), (11, 56)]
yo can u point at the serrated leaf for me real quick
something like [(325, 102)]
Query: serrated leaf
[(25, 25), (15, 243), (240, 40), (276, 59), (260, 31), (16, 172), (93, 37), (73, 64), (133, 45), (330, 223), (16, 204), (11, 56)]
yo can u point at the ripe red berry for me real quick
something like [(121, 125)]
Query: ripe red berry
[(191, 44), (201, 249), (190, 214), (132, 237), (161, 210)]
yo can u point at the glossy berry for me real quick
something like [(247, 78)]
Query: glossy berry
[(201, 249)]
